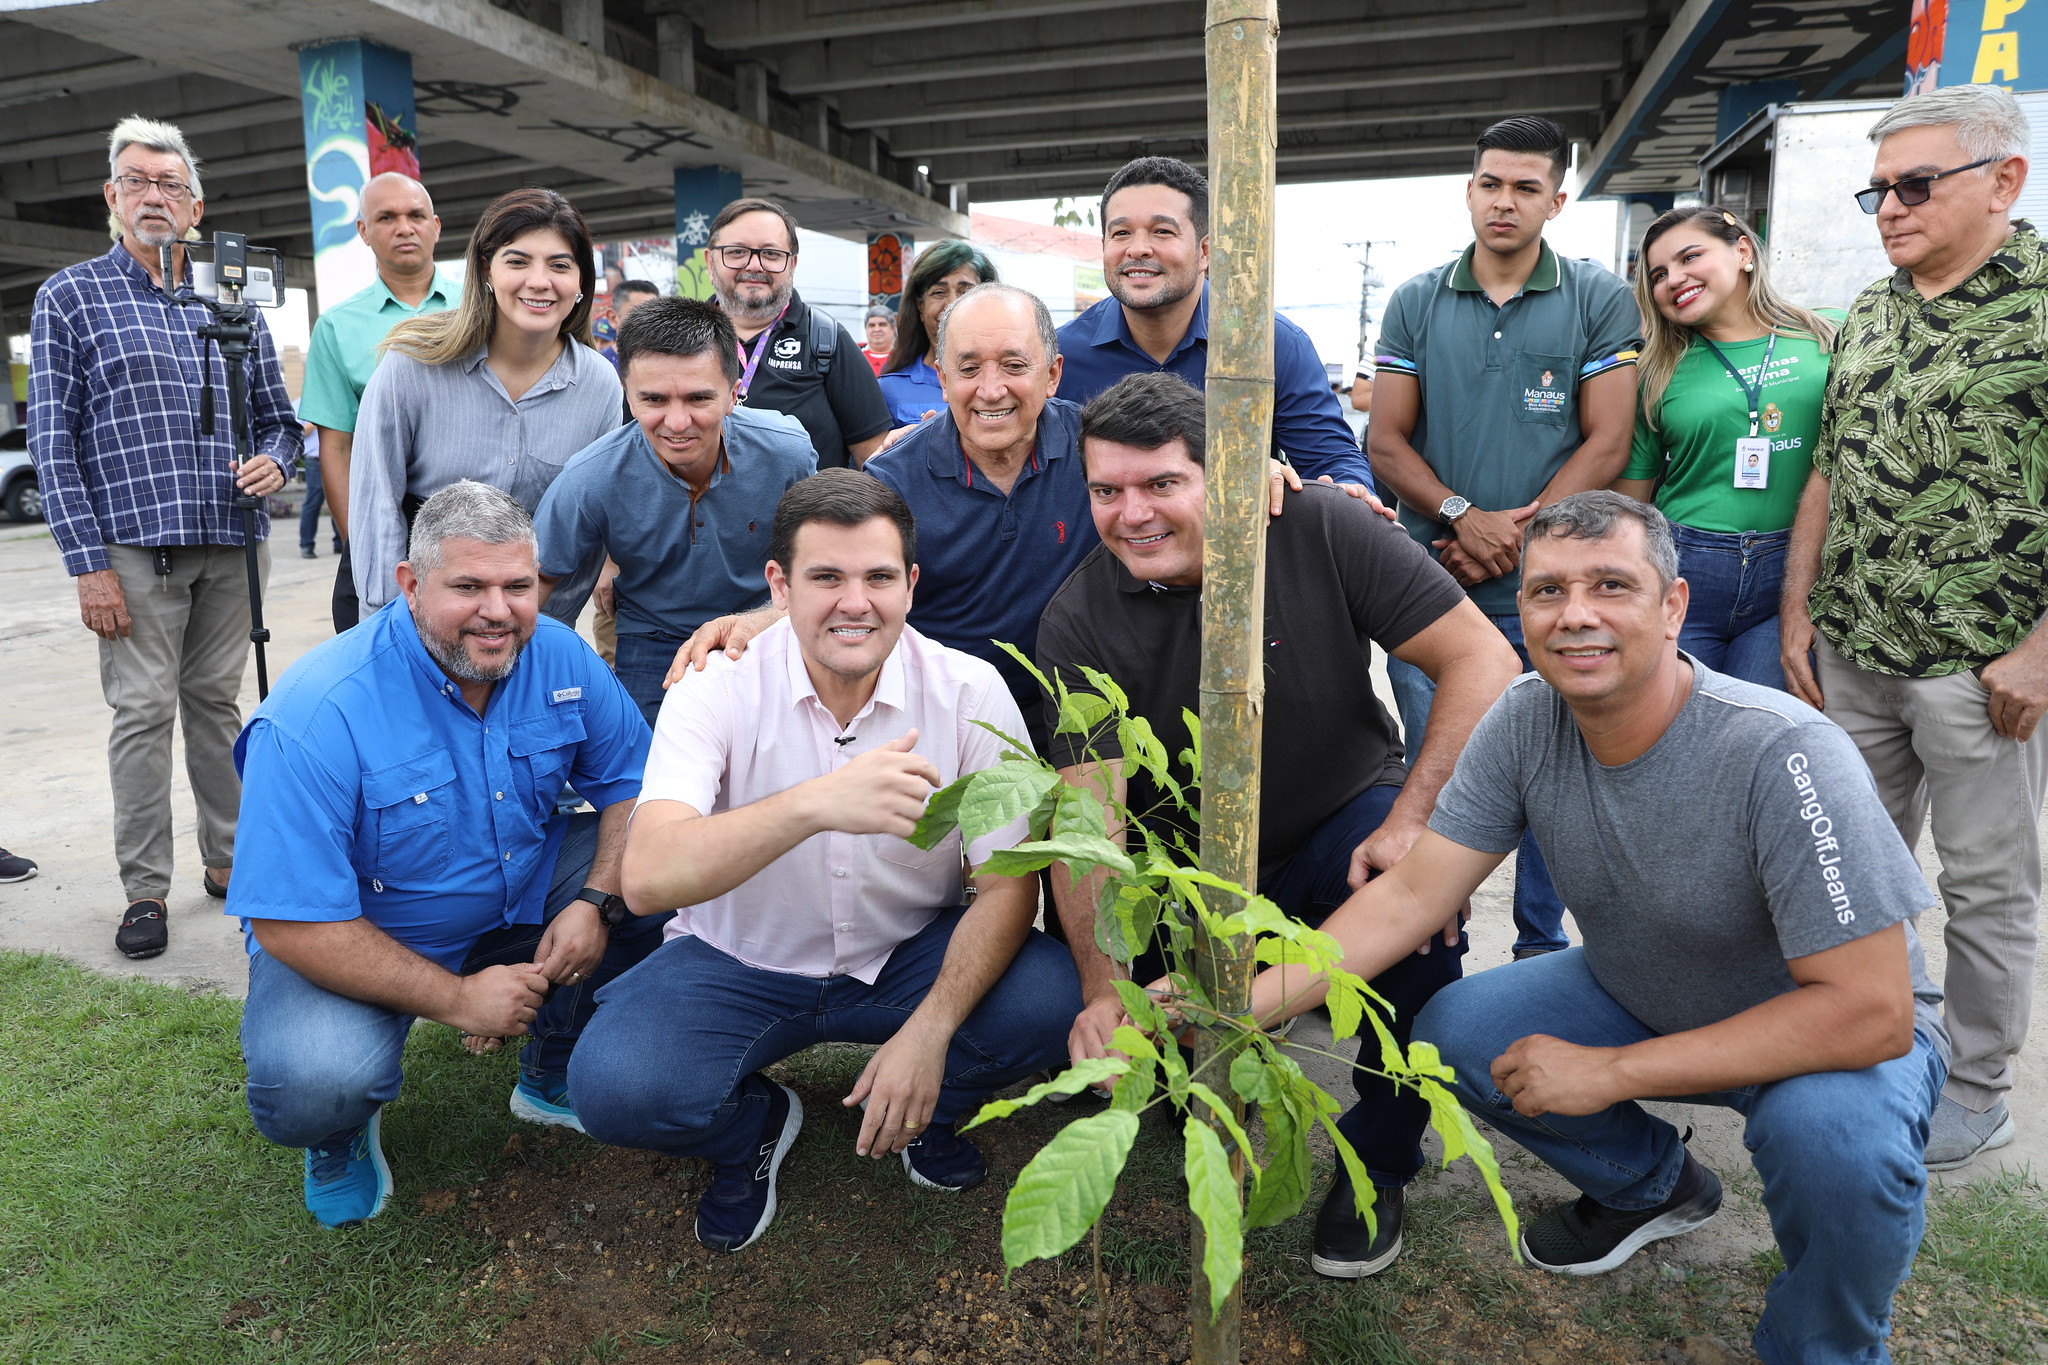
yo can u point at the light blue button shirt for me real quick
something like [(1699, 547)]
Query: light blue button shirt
[(371, 790)]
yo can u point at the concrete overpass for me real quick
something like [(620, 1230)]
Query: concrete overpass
[(867, 115)]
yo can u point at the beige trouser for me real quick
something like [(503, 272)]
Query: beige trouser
[(1930, 745), (185, 653)]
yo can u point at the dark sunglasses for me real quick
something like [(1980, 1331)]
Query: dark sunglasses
[(1914, 189)]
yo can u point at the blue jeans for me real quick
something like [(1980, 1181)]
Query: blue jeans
[(320, 1063), (672, 1061), (1539, 911), (643, 661), (309, 511), (1385, 1126), (1732, 624), (1838, 1151)]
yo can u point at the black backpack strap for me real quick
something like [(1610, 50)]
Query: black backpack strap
[(824, 341)]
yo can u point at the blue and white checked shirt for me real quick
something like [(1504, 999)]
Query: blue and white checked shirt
[(113, 416)]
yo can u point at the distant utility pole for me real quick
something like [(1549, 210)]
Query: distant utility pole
[(1365, 285)]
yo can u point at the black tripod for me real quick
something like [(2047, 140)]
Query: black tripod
[(232, 331)]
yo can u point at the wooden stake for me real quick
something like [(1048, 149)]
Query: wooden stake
[(1241, 39)]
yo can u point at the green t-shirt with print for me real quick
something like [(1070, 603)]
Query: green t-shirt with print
[(1704, 412)]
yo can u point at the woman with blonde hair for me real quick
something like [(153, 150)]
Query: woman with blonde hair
[(1728, 409), (502, 388)]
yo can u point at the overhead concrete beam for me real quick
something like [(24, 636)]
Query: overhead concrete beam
[(1117, 38), (736, 25), (46, 245), (75, 80), (1098, 162), (1517, 59), (245, 115)]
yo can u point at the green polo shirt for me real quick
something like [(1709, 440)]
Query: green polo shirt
[(1500, 382), (1934, 442), (343, 350)]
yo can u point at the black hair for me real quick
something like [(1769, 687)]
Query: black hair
[(1594, 514), (1527, 135), (1148, 411), (838, 497), (680, 327), (652, 291), (743, 206), (1163, 170)]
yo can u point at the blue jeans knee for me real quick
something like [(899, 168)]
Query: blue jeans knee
[(319, 1063)]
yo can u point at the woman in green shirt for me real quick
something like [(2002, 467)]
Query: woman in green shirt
[(1728, 409)]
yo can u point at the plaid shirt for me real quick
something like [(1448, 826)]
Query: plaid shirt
[(114, 384)]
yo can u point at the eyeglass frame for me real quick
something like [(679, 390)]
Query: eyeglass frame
[(754, 253), (1926, 182), (173, 190)]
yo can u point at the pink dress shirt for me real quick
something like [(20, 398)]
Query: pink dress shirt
[(836, 904)]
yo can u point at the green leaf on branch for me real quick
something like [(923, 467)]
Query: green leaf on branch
[(1133, 917), (1107, 686), (1078, 851), (1024, 662), (1076, 1078), (1061, 1192), (1362, 1196), (1213, 1192), (1077, 811), (1142, 1008), (941, 814), (1192, 756), (996, 796), (1282, 1187), (1251, 1078), (1020, 750), (1081, 713), (1221, 1109)]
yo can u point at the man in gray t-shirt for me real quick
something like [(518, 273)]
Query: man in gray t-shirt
[(1746, 908)]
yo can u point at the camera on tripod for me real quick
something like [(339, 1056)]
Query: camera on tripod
[(231, 279)]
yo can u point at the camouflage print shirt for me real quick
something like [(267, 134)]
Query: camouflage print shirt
[(1935, 440)]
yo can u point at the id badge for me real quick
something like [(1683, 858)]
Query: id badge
[(1752, 461)]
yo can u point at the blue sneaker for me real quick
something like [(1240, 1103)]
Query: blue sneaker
[(347, 1180), (544, 1099), (943, 1160), (740, 1204)]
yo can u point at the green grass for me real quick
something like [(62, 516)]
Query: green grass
[(139, 1208), (1994, 1232)]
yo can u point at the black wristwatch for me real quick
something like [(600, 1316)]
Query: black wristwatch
[(611, 909)]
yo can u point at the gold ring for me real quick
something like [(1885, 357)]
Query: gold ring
[(574, 977), (910, 1127)]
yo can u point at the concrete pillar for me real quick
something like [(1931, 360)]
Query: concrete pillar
[(750, 80), (814, 124), (675, 43), (359, 121), (889, 256), (701, 191), (583, 22)]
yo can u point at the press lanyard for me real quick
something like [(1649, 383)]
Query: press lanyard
[(1754, 395), (753, 362)]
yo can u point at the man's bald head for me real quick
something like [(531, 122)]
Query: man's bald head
[(396, 218)]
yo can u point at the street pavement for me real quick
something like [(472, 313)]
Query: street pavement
[(56, 807)]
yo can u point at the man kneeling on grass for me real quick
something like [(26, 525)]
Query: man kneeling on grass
[(778, 794), (404, 858), (1744, 900)]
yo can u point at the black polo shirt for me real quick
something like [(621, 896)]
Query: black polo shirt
[(1339, 579), (841, 407)]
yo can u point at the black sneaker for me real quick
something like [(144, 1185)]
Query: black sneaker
[(941, 1159), (143, 931), (1588, 1238), (740, 1204), (1344, 1248), (14, 867)]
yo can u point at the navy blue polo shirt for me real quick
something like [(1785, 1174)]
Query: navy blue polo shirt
[(988, 563), (374, 792), (1307, 423)]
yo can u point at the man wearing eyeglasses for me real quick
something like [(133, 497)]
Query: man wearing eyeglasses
[(140, 500), (1916, 580), (792, 360)]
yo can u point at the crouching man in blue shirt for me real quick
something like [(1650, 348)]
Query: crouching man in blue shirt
[(406, 860)]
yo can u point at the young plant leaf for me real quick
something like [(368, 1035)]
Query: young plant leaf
[(1221, 1109), (1078, 851), (1077, 1077), (1061, 1192), (1282, 1187), (941, 814), (1362, 1195), (1213, 1197), (996, 796)]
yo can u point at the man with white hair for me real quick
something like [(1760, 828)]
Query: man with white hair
[(396, 220), (139, 493), (1916, 576)]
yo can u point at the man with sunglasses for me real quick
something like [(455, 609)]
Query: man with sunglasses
[(792, 360), (1916, 579), (139, 491)]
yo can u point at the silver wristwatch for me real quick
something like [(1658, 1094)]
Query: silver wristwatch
[(1453, 508)]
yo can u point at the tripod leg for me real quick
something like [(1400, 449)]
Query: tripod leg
[(259, 634)]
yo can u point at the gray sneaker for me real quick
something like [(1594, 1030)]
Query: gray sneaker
[(1955, 1136)]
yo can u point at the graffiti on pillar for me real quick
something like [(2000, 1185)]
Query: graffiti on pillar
[(1926, 35), (392, 148), (887, 254), (701, 191), (359, 122), (337, 156)]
